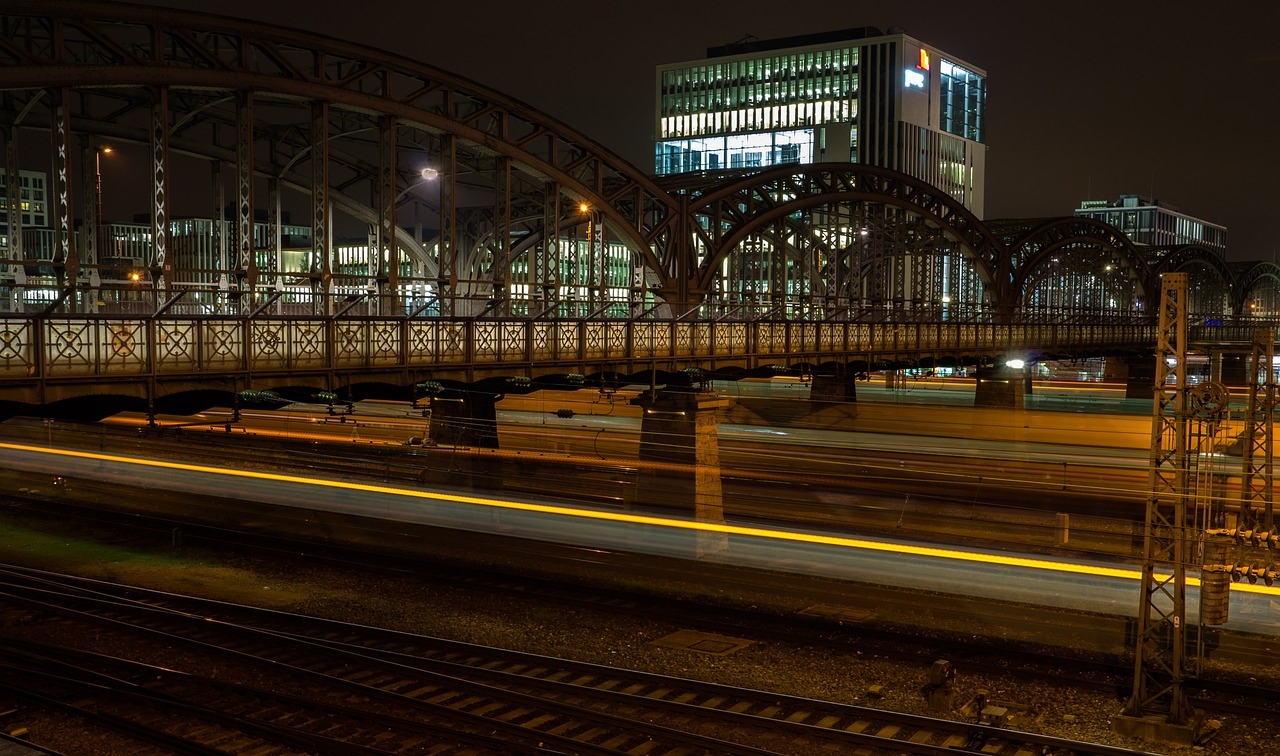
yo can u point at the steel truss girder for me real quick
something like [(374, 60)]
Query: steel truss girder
[(1256, 284), (246, 262), (12, 193), (320, 266), (60, 204), (135, 57), (1033, 248), (737, 209), (160, 262), (388, 262), (74, 44)]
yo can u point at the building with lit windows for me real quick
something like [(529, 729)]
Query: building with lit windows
[(857, 95), (32, 196), (1154, 223)]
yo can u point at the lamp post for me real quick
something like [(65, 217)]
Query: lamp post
[(100, 229)]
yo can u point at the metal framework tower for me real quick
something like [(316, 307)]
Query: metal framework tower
[(1256, 452), (1158, 709)]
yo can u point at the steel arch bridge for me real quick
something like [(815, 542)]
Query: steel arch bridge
[(449, 227)]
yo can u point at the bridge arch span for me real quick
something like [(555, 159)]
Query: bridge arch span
[(1066, 266), (336, 120), (1257, 290), (856, 234), (1210, 279)]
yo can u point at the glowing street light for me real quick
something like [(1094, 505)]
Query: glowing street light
[(100, 231), (425, 175)]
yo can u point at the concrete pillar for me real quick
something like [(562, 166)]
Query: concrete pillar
[(1116, 370), (1233, 369), (679, 428), (1138, 374), (999, 386), (464, 419), (833, 389)]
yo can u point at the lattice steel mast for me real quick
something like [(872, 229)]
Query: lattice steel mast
[(1159, 664)]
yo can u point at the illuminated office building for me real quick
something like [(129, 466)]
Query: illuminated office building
[(31, 196), (1151, 222), (856, 95)]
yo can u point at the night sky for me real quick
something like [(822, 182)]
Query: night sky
[(1087, 100)]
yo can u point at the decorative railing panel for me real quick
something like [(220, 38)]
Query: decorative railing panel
[(384, 343), (222, 345), (423, 341), (569, 338), (453, 343), (16, 349), (617, 339), (683, 339), (593, 341), (66, 348), (350, 344), (178, 345)]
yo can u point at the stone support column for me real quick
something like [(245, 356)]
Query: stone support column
[(1000, 386), (833, 389), (678, 434), (464, 419), (1234, 371), (1138, 374)]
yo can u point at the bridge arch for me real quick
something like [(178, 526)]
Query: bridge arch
[(338, 122), (1067, 266), (856, 235), (1211, 283), (1257, 290)]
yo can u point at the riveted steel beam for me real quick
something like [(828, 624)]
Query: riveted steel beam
[(246, 262), (388, 263), (320, 265), (160, 263), (67, 265)]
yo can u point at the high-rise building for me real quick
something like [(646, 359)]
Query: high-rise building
[(857, 95), (1151, 222), (31, 196)]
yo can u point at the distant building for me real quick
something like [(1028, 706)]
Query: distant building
[(857, 95), (1154, 223), (32, 196)]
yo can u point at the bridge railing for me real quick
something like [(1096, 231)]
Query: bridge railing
[(59, 348)]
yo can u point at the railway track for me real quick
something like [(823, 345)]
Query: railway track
[(1096, 671), (294, 684)]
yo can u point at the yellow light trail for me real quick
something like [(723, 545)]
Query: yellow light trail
[(664, 522)]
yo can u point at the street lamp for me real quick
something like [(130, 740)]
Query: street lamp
[(100, 231), (426, 174)]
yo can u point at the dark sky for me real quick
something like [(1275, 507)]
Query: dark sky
[(1087, 100)]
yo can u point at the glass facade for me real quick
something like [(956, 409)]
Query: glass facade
[(857, 95), (753, 113), (713, 153), (772, 92), (1151, 222), (962, 102), (31, 195)]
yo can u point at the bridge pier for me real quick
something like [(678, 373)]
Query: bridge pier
[(679, 428), (1138, 374), (1000, 386), (838, 388), (1229, 368), (464, 419)]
